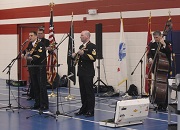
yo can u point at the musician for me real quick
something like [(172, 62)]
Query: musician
[(35, 53), (41, 37), (165, 47), (86, 72)]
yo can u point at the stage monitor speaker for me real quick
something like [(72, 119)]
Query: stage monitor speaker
[(128, 112), (99, 40)]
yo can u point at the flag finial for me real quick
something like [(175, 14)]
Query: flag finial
[(51, 5), (149, 19), (169, 13), (72, 17), (120, 15)]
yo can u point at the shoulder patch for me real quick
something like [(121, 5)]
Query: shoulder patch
[(40, 50), (94, 52)]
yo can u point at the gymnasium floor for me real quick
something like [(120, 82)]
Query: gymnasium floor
[(104, 109)]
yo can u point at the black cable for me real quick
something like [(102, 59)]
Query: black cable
[(112, 106), (61, 102), (17, 101), (72, 111), (102, 100)]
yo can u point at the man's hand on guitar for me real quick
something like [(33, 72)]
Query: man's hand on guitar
[(29, 58), (73, 55), (80, 52), (49, 48), (150, 60), (22, 55)]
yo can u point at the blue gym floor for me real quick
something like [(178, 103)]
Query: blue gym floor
[(104, 109)]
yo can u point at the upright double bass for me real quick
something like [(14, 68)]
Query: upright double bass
[(160, 66), (161, 70)]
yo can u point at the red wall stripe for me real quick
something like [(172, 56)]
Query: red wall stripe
[(8, 29), (82, 7), (110, 25)]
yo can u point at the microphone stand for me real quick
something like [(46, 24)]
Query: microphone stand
[(140, 61), (57, 111), (57, 100), (9, 107), (9, 77)]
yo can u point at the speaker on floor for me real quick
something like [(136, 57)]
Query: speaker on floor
[(99, 40)]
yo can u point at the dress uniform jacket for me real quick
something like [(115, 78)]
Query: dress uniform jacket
[(167, 50), (85, 64), (45, 41), (38, 55)]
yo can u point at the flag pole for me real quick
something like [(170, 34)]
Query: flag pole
[(70, 97), (148, 78), (125, 79), (169, 13), (52, 93), (173, 54)]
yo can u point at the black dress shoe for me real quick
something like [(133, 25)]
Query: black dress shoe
[(79, 113), (89, 114)]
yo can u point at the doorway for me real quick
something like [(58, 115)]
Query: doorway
[(23, 33)]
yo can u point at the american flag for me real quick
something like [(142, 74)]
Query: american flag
[(52, 58)]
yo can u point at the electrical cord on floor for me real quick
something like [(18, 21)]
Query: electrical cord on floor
[(68, 112), (60, 101), (19, 105), (67, 103), (111, 106), (102, 99)]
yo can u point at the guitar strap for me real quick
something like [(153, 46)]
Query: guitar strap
[(33, 48)]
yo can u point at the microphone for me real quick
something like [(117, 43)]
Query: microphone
[(132, 73), (70, 36), (25, 42)]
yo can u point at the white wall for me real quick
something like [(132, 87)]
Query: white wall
[(8, 51), (136, 43)]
